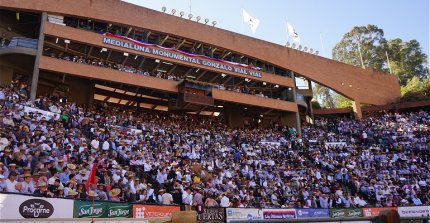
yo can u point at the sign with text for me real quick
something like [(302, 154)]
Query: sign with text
[(250, 214), (279, 213), (346, 213), (373, 212), (212, 215), (85, 209), (13, 206), (415, 211), (312, 213), (119, 210), (125, 42), (153, 211)]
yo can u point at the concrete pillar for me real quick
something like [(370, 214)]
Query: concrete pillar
[(357, 110), (234, 116), (6, 75), (298, 125), (35, 77)]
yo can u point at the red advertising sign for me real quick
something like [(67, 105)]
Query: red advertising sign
[(373, 212), (153, 211)]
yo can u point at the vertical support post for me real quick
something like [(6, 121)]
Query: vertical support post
[(357, 110), (298, 124), (35, 77)]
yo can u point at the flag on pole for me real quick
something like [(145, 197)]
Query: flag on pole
[(294, 35), (252, 21), (91, 179)]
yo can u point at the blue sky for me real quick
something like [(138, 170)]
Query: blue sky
[(405, 19)]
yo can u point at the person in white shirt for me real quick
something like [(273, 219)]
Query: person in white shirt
[(55, 176), (225, 201), (11, 182), (166, 198), (187, 197)]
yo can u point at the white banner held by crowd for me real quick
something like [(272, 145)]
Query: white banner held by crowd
[(47, 114)]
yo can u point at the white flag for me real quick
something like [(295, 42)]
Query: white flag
[(294, 35), (253, 22)]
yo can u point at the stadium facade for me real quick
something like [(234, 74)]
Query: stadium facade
[(120, 53)]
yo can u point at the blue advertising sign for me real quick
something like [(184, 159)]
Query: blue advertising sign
[(312, 213)]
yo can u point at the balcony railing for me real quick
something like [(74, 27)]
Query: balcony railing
[(23, 42)]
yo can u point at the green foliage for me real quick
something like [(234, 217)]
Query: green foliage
[(324, 95), (315, 104), (369, 40), (407, 60), (341, 101), (416, 90)]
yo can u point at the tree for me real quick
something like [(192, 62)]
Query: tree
[(365, 39), (341, 101), (406, 59), (324, 95)]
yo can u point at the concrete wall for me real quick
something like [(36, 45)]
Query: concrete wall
[(366, 86), (6, 75)]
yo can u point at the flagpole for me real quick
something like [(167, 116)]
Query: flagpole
[(322, 45), (361, 57), (388, 61), (92, 210)]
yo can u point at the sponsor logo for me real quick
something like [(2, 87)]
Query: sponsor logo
[(36, 208), (119, 211), (87, 210)]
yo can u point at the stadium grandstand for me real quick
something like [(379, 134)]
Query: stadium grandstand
[(98, 105)]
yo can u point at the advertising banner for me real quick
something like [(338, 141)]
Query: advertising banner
[(85, 209), (119, 210), (48, 115), (373, 212), (250, 214), (312, 213), (346, 213), (415, 211), (212, 215), (13, 206), (279, 213), (153, 211)]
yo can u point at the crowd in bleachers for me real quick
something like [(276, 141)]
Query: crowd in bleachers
[(168, 158), (158, 74)]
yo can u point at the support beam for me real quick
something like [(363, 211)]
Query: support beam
[(141, 62), (110, 52), (125, 60), (227, 79), (35, 77), (201, 75), (172, 69), (225, 54), (164, 40), (90, 50), (357, 110), (212, 79), (180, 43)]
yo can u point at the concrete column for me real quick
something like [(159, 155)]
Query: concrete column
[(35, 77), (6, 75), (234, 116), (298, 125), (357, 110)]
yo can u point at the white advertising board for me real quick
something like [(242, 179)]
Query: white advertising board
[(14, 206), (415, 211), (250, 214)]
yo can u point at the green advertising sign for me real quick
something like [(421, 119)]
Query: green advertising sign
[(119, 210), (85, 209), (346, 213)]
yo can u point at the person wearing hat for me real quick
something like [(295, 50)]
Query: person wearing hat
[(81, 176), (42, 190), (60, 192), (198, 197), (113, 194), (72, 194), (28, 184), (101, 192)]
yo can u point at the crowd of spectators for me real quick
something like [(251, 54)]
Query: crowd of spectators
[(168, 158)]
